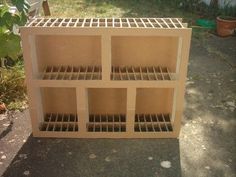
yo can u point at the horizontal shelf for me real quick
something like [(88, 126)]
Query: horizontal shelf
[(60, 123), (152, 123), (107, 118), (107, 123), (107, 22), (141, 73), (59, 127), (72, 73), (118, 73), (104, 127), (105, 84), (55, 117)]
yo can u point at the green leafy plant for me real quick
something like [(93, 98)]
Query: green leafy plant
[(12, 87), (9, 21)]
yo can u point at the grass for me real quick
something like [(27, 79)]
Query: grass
[(126, 8), (117, 8)]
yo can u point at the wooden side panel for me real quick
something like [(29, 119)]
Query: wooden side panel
[(57, 50), (145, 51), (107, 101), (59, 100), (153, 100)]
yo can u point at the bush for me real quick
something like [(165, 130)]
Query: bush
[(12, 87)]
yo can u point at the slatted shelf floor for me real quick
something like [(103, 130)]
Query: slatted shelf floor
[(72, 73), (107, 123), (141, 73), (108, 22), (60, 123), (152, 123)]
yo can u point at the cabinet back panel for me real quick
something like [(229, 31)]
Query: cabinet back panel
[(59, 100), (145, 51), (55, 50), (154, 100), (107, 101)]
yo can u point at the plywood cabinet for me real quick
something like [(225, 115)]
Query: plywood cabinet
[(106, 78)]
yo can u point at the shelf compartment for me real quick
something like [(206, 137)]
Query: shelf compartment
[(58, 100), (141, 73), (108, 22), (60, 123), (152, 123), (72, 73), (107, 101), (154, 100), (144, 52), (107, 123), (67, 52)]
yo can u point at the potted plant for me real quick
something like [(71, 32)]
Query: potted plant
[(226, 22)]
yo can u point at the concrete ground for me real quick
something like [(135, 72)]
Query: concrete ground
[(206, 147)]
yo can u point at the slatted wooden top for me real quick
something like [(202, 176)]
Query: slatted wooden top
[(164, 23)]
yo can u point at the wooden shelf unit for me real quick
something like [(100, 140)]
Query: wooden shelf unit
[(107, 77)]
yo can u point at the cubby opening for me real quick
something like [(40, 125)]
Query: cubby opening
[(68, 57), (153, 110), (59, 110), (107, 109), (144, 57)]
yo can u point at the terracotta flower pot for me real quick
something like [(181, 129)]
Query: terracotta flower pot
[(226, 26)]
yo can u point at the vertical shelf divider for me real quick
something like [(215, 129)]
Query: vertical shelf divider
[(82, 108), (131, 104), (106, 57)]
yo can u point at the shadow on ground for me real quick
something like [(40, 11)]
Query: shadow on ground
[(101, 157), (208, 128)]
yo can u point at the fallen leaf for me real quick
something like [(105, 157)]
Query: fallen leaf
[(23, 156), (203, 147), (230, 103), (114, 151), (3, 107), (6, 124), (166, 164), (11, 141), (3, 116), (26, 172), (3, 157), (107, 159), (92, 156)]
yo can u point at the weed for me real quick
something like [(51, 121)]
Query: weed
[(12, 87)]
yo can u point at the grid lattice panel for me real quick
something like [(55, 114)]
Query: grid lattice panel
[(152, 123), (60, 123), (72, 73), (106, 123), (108, 22), (141, 73)]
